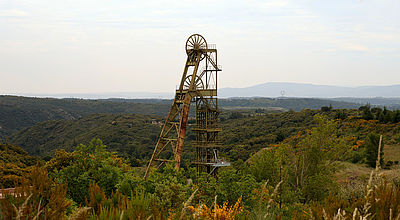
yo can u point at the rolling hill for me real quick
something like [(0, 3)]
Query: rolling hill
[(127, 134), (274, 89), (17, 112), (21, 112), (134, 136)]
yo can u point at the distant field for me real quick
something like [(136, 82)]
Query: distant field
[(391, 152), (352, 173), (268, 109)]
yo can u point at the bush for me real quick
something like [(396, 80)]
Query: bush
[(90, 164), (39, 196)]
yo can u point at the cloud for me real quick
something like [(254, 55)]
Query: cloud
[(275, 4), (74, 38), (357, 48), (13, 13)]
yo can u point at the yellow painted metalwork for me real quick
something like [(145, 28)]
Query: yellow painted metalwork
[(199, 86)]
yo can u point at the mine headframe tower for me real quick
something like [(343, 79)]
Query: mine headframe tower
[(198, 84)]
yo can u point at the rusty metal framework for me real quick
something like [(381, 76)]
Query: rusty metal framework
[(198, 84)]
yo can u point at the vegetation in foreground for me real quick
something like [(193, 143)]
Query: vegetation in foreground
[(294, 179), (133, 136)]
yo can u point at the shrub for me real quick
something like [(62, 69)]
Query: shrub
[(140, 205), (90, 164), (39, 197)]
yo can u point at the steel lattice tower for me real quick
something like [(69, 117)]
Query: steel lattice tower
[(199, 86)]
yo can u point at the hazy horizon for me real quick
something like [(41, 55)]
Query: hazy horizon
[(101, 46), (269, 89)]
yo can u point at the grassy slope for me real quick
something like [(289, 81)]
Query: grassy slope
[(133, 135), (391, 152), (128, 134), (353, 177)]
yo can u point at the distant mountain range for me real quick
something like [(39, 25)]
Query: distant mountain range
[(276, 89), (270, 89)]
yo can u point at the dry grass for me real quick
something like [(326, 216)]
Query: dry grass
[(80, 213), (348, 172), (391, 152), (392, 175), (371, 198), (354, 177)]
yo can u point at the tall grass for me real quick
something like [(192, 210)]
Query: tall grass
[(381, 200)]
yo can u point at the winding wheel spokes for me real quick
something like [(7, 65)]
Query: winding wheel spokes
[(198, 83), (194, 44)]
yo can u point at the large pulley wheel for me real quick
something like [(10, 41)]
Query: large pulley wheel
[(198, 83), (194, 44)]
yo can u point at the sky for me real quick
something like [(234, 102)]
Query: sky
[(92, 46)]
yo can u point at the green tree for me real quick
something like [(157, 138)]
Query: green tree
[(396, 116), (91, 164), (321, 147), (366, 112), (168, 186), (387, 115), (233, 184), (304, 163), (265, 165), (371, 149)]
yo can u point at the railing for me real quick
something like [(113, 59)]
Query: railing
[(211, 46)]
